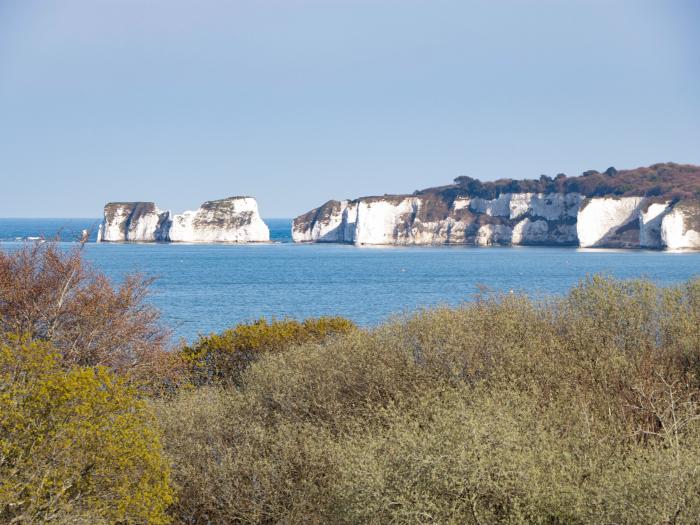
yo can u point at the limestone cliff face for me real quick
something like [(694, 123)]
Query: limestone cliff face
[(235, 219), (650, 219), (511, 218), (407, 220), (680, 226), (133, 221), (332, 222), (609, 222)]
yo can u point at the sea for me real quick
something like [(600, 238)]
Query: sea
[(204, 288)]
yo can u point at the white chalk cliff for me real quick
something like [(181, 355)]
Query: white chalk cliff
[(228, 220), (133, 221), (511, 218), (235, 219), (600, 222), (680, 227)]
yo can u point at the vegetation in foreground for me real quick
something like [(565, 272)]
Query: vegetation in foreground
[(76, 445), (578, 409)]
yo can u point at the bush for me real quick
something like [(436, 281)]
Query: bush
[(52, 295), (502, 458), (222, 358), (76, 446), (579, 409)]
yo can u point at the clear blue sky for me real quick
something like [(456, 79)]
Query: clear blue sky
[(299, 101)]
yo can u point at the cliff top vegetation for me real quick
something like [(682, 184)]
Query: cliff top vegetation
[(668, 181)]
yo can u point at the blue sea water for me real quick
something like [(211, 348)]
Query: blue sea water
[(202, 288)]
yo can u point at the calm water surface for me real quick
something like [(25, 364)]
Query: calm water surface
[(203, 288)]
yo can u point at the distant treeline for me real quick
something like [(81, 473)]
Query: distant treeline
[(667, 181)]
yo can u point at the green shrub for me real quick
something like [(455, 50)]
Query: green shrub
[(222, 358), (501, 458), (577, 409), (76, 446)]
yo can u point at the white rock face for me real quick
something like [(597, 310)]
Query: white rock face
[(490, 234), (550, 206), (133, 221), (461, 203), (235, 219), (600, 219), (330, 224), (115, 225), (680, 227), (650, 224), (533, 232), (228, 220), (148, 227), (523, 218), (512, 218), (349, 221), (499, 207), (386, 222)]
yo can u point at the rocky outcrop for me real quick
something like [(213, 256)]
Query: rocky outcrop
[(409, 220), (680, 226), (609, 222), (649, 207), (445, 217), (650, 219), (235, 219), (133, 221), (332, 222)]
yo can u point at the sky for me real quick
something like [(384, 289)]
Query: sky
[(296, 102)]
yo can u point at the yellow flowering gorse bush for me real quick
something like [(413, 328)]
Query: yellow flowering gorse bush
[(75, 446)]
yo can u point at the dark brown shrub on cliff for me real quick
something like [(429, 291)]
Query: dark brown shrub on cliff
[(668, 180)]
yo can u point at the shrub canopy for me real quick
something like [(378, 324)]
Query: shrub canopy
[(580, 409), (51, 294), (222, 358), (666, 181), (76, 445)]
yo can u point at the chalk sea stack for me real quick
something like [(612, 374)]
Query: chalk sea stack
[(235, 219)]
